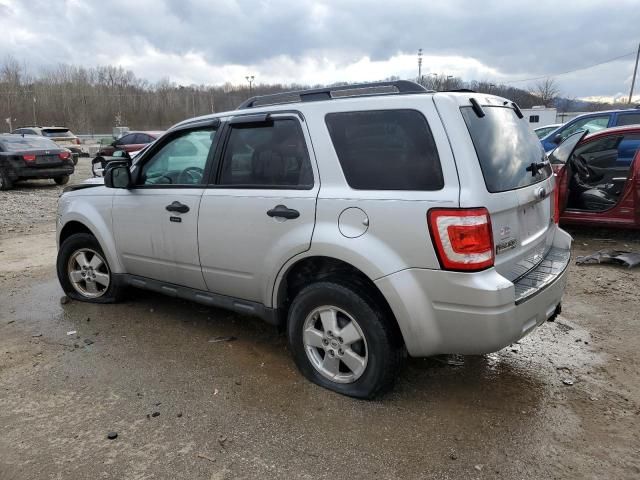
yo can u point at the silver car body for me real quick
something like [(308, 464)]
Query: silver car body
[(227, 252)]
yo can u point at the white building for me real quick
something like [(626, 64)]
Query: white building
[(540, 116)]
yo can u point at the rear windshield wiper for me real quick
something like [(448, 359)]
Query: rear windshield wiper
[(535, 168)]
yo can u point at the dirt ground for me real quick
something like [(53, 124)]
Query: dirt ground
[(186, 405)]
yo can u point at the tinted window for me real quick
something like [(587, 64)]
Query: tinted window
[(143, 138), (267, 154), (386, 150), (628, 118), (610, 151), (17, 143), (127, 139), (57, 132), (506, 147), (534, 118), (181, 161)]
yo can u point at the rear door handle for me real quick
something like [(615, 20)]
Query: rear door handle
[(283, 212), (177, 207)]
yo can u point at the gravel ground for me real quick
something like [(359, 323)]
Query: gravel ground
[(562, 403)]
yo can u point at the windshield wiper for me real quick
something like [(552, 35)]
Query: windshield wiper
[(535, 168)]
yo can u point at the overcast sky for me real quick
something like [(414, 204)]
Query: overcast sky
[(215, 41)]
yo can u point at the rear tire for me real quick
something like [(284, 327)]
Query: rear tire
[(62, 180), (328, 355), (83, 271), (5, 181)]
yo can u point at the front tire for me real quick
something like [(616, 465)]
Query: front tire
[(343, 340), (83, 271)]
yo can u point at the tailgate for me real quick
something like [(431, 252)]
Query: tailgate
[(515, 183), (523, 227)]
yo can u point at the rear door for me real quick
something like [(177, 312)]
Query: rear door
[(261, 210)]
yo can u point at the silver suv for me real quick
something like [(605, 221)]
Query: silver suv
[(369, 221)]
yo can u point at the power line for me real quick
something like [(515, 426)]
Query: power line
[(571, 71)]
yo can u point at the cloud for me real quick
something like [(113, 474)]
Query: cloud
[(199, 41)]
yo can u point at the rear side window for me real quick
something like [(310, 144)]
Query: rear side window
[(628, 119), (386, 150), (267, 155), (506, 148)]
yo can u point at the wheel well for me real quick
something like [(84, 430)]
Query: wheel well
[(315, 269), (72, 228)]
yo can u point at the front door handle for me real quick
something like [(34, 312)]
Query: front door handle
[(283, 212), (177, 207)]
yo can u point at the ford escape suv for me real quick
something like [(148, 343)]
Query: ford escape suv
[(369, 221)]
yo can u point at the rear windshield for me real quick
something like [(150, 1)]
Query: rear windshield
[(386, 150), (57, 132), (506, 147), (18, 143)]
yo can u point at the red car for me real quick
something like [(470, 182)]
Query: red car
[(130, 142), (598, 178)]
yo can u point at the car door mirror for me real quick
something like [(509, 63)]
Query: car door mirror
[(117, 176), (557, 139)]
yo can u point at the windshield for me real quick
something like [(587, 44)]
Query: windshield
[(506, 148), (57, 132), (18, 143)]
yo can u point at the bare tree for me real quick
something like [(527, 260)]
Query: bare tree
[(547, 91)]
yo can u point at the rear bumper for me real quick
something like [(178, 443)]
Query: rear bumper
[(33, 172), (474, 313)]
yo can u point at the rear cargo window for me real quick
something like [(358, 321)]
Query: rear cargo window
[(506, 148), (57, 133), (386, 150), (18, 143)]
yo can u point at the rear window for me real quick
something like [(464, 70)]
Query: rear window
[(19, 143), (506, 147), (386, 150), (57, 132)]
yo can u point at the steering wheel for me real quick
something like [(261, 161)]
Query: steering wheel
[(190, 175), (583, 169)]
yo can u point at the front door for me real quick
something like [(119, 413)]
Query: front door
[(262, 209), (155, 223)]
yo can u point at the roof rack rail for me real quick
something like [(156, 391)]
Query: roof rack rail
[(460, 90), (402, 87)]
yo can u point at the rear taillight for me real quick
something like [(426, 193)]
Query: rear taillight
[(462, 237), (77, 141), (29, 158), (64, 155)]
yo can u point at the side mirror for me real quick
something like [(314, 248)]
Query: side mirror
[(117, 176), (557, 139)]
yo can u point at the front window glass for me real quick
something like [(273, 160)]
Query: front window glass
[(507, 148), (181, 161)]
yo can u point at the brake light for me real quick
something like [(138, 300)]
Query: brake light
[(64, 155), (29, 158), (462, 237), (77, 141)]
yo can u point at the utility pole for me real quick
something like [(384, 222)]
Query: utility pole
[(635, 71), (35, 122), (250, 80), (420, 65)]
